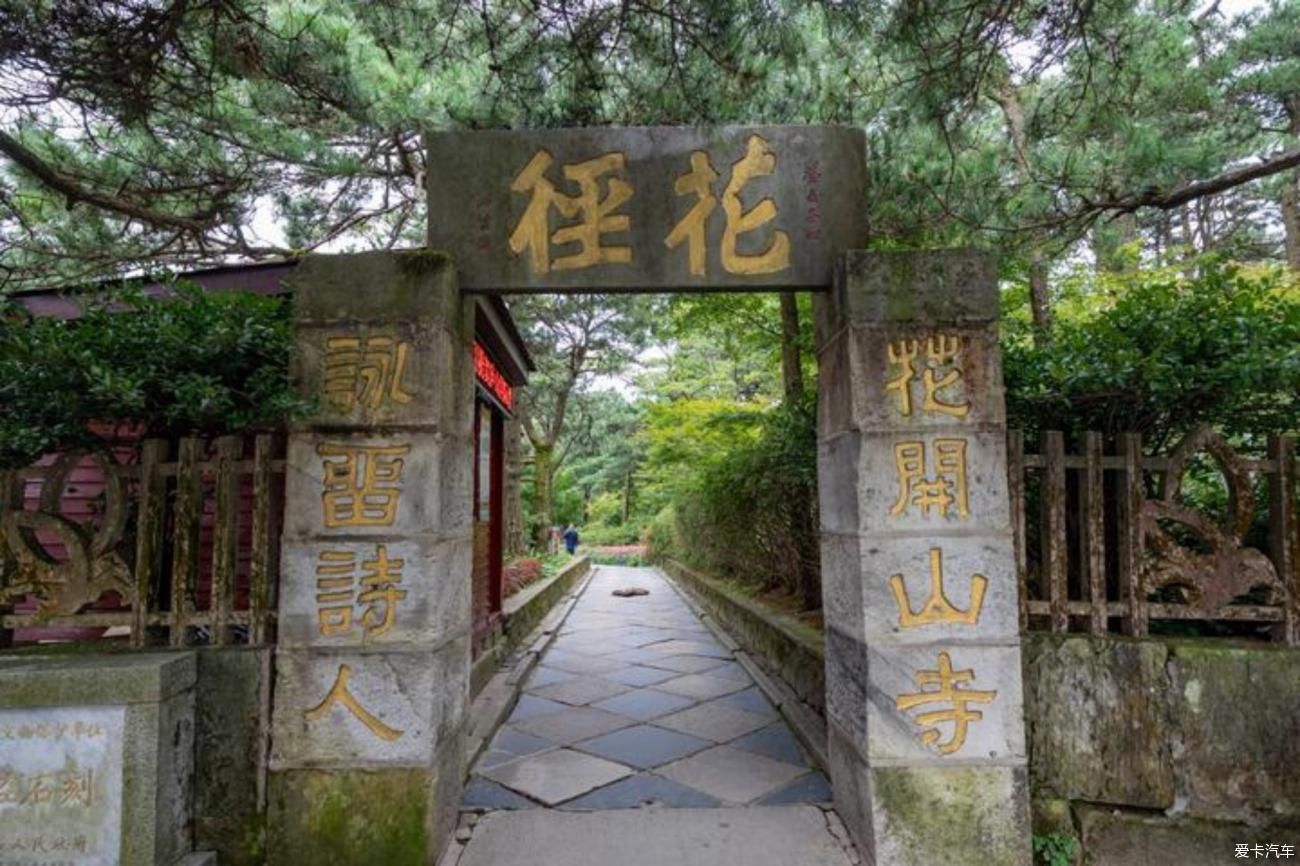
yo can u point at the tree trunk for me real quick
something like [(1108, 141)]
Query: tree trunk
[(1291, 194), (791, 363), (1291, 220), (1040, 303), (802, 525), (515, 534), (543, 493), (627, 496)]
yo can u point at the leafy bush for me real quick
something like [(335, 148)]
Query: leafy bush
[(746, 510), (197, 363), (517, 574), (1157, 352)]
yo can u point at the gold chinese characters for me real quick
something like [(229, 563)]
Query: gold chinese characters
[(944, 491), (595, 210), (758, 161), (338, 593), (941, 373), (949, 692), (362, 483), (595, 213), (937, 607), (341, 695), (365, 372)]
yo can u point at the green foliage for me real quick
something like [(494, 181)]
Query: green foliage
[(1055, 849), (1158, 352), (118, 158), (197, 363), (742, 481)]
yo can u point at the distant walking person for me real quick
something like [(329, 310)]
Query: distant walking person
[(571, 539)]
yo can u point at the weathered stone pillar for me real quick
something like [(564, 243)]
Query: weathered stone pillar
[(372, 667), (923, 673)]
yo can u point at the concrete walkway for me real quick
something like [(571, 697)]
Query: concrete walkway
[(636, 706)]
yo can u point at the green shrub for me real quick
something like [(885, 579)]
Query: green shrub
[(1157, 352), (197, 363), (1055, 849)]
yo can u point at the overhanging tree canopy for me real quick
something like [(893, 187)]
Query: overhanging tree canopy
[(145, 132)]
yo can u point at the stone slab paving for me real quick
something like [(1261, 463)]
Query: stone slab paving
[(773, 836), (636, 704)]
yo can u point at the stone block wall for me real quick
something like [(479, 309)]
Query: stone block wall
[(1134, 741)]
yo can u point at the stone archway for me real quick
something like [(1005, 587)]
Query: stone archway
[(923, 662)]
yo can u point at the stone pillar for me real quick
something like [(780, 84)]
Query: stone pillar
[(372, 665), (923, 679)]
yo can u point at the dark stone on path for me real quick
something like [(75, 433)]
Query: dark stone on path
[(630, 591)]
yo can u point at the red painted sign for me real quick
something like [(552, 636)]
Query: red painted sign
[(489, 376)]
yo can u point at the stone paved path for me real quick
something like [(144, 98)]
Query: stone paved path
[(636, 704)]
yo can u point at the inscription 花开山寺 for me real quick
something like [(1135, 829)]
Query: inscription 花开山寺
[(942, 492), (949, 692), (937, 607), (942, 373)]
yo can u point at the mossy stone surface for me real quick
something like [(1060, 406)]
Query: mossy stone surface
[(1098, 721), (959, 816), (348, 817)]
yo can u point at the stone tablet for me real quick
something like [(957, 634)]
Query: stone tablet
[(647, 208), (61, 786)]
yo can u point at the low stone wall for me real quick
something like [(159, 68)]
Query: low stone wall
[(786, 648), (1205, 732), (231, 718), (521, 613)]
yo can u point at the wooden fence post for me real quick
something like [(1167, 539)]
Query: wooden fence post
[(1016, 495), (260, 569), (1131, 536), (11, 497), (1094, 530), (1282, 530), (226, 536), (1054, 540), (188, 514), (148, 535)]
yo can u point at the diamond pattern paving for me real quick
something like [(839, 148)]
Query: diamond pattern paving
[(685, 664), (643, 746), (701, 686), (636, 704), (645, 704), (644, 789), (732, 775), (581, 691), (574, 724), (636, 675), (553, 777), (714, 721)]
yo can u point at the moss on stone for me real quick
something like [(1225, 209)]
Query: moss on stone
[(953, 815), (349, 816), (422, 261)]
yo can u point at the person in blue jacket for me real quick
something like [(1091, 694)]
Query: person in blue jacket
[(571, 539)]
